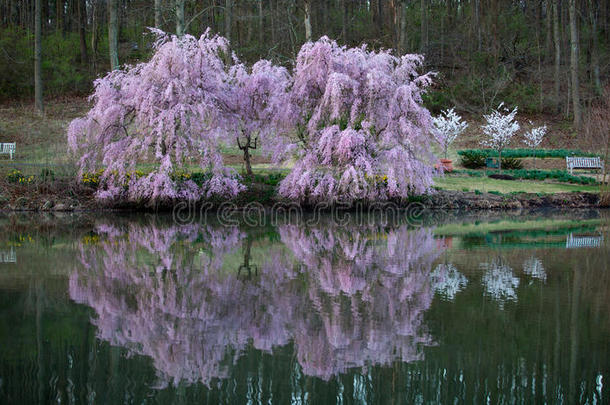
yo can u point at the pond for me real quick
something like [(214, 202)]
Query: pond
[(442, 308)]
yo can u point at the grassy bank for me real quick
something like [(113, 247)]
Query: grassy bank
[(42, 155), (486, 185)]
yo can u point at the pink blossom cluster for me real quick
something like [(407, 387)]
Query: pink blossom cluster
[(345, 298)]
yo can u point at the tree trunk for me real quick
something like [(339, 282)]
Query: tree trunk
[(500, 161), (246, 150), (228, 18), (113, 34), (272, 13), (557, 40), (158, 14), (548, 44), (344, 28), (94, 33), (477, 23), (82, 22), (593, 15), (59, 14), (378, 17), (307, 20), (574, 64), (38, 57), (494, 21), (248, 164), (180, 17), (403, 27), (424, 26), (261, 27)]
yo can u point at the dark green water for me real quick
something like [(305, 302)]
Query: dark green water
[(451, 309)]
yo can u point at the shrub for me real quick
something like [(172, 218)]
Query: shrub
[(511, 164), (524, 153), (472, 159), (559, 175), (47, 175)]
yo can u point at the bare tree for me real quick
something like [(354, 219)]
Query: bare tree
[(593, 17), (424, 26), (157, 13), (82, 23), (344, 25), (574, 64), (403, 26), (477, 21), (113, 34), (597, 135), (307, 7), (180, 17), (557, 41), (261, 27), (228, 18), (94, 32), (38, 57)]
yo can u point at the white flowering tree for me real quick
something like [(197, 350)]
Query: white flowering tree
[(447, 127), (447, 280), (500, 128), (534, 268), (533, 138)]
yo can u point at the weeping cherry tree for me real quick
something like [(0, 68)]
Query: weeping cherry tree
[(168, 113), (362, 132), (259, 102)]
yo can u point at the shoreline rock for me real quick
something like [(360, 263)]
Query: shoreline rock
[(445, 199), (440, 200)]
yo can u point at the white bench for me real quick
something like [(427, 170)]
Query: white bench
[(8, 149), (8, 257), (584, 241), (584, 163)]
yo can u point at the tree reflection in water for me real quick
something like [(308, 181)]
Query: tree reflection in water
[(448, 281), (346, 297)]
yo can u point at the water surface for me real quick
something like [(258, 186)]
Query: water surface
[(447, 309)]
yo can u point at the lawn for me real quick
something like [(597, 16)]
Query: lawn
[(485, 184)]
